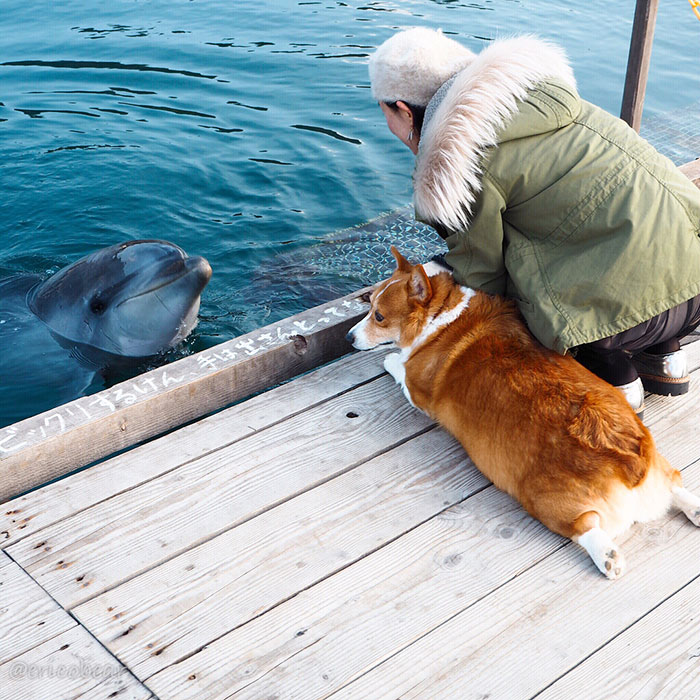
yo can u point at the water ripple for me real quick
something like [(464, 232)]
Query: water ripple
[(328, 132), (110, 65), (89, 147), (269, 160), (174, 110), (36, 113), (240, 104)]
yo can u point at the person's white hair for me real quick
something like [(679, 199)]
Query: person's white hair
[(412, 65)]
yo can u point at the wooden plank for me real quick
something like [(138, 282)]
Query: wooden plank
[(532, 630), (56, 442), (128, 534), (692, 171), (28, 615), (389, 599), (655, 658), (319, 640), (173, 610), (70, 666), (30, 513), (638, 62)]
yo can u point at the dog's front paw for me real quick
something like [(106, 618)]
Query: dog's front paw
[(394, 366)]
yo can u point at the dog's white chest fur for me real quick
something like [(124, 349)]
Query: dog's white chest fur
[(395, 364)]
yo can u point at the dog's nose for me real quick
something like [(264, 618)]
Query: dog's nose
[(350, 337)]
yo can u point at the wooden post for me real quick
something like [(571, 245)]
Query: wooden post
[(638, 62)]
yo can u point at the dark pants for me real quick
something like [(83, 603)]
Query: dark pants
[(609, 358)]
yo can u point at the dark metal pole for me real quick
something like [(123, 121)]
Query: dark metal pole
[(638, 62)]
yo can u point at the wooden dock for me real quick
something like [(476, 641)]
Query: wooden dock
[(324, 539), (321, 539)]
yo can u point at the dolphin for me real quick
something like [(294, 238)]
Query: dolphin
[(113, 309)]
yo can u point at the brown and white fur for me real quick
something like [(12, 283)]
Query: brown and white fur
[(541, 427)]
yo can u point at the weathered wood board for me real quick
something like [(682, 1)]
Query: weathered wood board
[(58, 441), (655, 658), (69, 666), (28, 615), (29, 513), (45, 654), (239, 575), (105, 544)]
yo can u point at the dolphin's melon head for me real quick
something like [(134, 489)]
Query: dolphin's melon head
[(133, 299)]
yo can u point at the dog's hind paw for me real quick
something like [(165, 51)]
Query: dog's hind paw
[(694, 516), (614, 564)]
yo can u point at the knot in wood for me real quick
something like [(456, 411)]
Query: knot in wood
[(300, 344)]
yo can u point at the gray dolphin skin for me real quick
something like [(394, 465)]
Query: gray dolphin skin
[(112, 309), (131, 300)]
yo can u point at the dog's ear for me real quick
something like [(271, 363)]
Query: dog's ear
[(419, 288), (401, 263)]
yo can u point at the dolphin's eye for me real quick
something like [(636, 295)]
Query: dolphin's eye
[(97, 306), (378, 316)]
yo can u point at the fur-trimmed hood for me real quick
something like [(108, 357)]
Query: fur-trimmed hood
[(466, 117)]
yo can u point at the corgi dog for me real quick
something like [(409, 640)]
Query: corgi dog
[(541, 427)]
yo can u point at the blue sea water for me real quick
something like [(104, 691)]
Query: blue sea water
[(245, 130)]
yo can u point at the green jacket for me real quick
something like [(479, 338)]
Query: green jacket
[(574, 215)]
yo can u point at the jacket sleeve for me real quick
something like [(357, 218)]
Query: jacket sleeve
[(477, 254)]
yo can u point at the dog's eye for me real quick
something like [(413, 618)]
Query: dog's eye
[(378, 316)]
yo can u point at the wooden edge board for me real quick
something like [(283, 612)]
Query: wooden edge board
[(44, 506), (58, 441)]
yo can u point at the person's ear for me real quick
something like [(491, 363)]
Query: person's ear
[(405, 111)]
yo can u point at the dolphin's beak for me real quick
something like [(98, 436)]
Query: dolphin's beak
[(201, 267)]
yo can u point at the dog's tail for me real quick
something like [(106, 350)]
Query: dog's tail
[(608, 426)]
